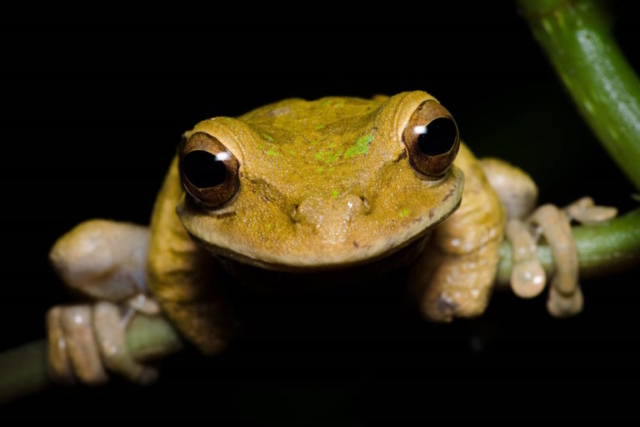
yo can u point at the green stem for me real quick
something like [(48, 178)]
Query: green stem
[(576, 36), (23, 371)]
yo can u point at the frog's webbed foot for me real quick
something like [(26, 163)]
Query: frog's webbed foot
[(104, 261), (518, 193), (565, 295), (83, 337)]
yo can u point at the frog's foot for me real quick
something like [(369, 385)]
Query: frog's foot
[(528, 277), (585, 211), (565, 296), (81, 337)]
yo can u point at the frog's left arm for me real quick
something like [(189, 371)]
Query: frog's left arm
[(454, 276)]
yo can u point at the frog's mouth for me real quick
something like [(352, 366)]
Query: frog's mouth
[(300, 248)]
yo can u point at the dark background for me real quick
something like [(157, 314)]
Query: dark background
[(94, 105)]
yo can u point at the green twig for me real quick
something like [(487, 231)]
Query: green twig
[(576, 36), (23, 371)]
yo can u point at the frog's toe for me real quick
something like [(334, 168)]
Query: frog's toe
[(73, 352), (445, 306), (527, 277), (565, 296), (58, 364), (585, 211), (560, 305)]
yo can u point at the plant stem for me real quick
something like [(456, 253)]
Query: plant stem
[(23, 369), (576, 36)]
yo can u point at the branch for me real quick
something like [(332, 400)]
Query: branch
[(576, 36)]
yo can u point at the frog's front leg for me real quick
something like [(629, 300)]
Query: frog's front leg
[(454, 276), (105, 261)]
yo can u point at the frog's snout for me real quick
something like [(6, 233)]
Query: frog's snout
[(332, 217)]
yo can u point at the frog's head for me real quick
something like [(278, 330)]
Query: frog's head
[(332, 183)]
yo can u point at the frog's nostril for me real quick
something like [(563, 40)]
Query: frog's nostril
[(295, 213), (365, 204)]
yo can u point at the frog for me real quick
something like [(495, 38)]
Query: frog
[(303, 193)]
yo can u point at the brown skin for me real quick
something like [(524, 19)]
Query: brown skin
[(325, 187)]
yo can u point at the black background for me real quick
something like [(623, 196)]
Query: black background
[(93, 105)]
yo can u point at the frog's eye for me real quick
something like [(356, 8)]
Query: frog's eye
[(209, 171), (432, 139)]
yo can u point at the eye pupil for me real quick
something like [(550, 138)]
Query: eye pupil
[(204, 169), (437, 137)]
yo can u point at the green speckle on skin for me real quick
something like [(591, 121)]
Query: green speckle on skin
[(334, 194), (328, 156), (228, 119), (320, 169), (292, 152), (320, 127), (403, 213), (340, 104), (267, 137), (272, 152), (361, 147), (325, 103)]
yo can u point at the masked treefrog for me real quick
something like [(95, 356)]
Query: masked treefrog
[(302, 192)]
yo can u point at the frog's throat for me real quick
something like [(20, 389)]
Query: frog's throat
[(224, 246)]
